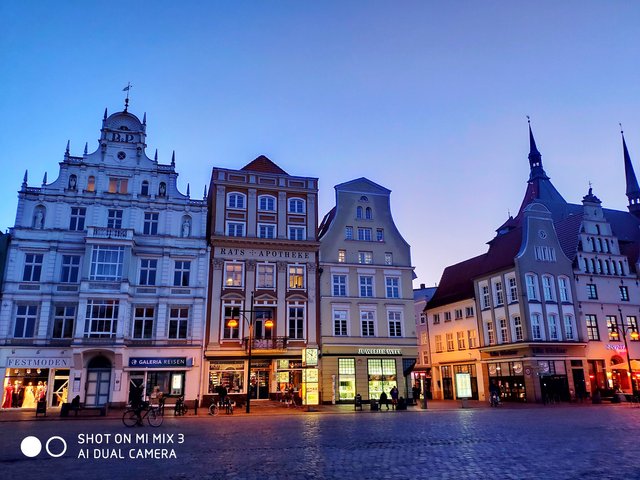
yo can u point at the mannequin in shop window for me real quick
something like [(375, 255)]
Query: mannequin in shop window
[(29, 396), (41, 391), (8, 395), (18, 394)]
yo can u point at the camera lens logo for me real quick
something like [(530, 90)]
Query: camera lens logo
[(32, 446)]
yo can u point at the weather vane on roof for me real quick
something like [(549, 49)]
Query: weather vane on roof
[(126, 100)]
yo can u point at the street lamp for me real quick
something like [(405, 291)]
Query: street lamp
[(251, 319), (634, 335)]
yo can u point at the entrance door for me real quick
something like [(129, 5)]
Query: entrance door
[(98, 381), (580, 384), (259, 384), (60, 388), (447, 388)]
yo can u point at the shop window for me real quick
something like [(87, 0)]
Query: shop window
[(229, 374), (382, 376), (346, 379)]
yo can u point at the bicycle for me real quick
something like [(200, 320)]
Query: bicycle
[(216, 406), (180, 408), (135, 416)]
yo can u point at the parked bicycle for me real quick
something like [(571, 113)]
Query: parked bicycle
[(219, 405), (135, 416), (180, 408)]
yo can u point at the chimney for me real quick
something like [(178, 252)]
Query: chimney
[(422, 286)]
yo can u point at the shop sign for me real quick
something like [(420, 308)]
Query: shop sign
[(379, 351), (230, 365), (40, 362), (616, 347), (262, 254), (158, 362)]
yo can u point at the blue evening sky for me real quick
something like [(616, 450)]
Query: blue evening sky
[(427, 98)]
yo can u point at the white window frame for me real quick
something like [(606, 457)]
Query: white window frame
[(232, 274), (297, 321), (504, 330), (365, 234), (64, 317), (485, 296), (77, 219), (368, 286), (267, 203), (293, 272), (297, 233), (547, 288), (150, 268), (392, 287), (297, 205), (261, 270), (491, 334), (144, 319), (100, 263), (176, 317), (513, 289), (537, 328), (472, 336), (451, 346), (395, 324), (33, 263), (498, 293), (267, 230), (26, 323), (368, 317), (518, 328), (341, 286), (569, 328), (564, 289), (114, 218), (101, 325), (554, 327), (365, 258), (181, 273), (340, 321), (388, 258), (150, 223), (461, 340), (232, 200), (439, 344), (232, 229), (531, 280), (70, 269)]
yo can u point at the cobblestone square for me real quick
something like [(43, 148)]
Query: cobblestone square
[(556, 442)]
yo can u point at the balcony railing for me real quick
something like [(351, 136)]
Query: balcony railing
[(273, 343), (112, 233)]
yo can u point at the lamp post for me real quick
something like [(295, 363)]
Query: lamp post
[(634, 335), (251, 319)]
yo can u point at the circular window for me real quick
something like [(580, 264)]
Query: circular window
[(122, 155)]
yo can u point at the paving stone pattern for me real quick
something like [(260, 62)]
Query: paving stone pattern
[(528, 443)]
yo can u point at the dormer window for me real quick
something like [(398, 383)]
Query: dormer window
[(236, 200)]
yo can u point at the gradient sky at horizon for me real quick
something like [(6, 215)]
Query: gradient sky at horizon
[(428, 99)]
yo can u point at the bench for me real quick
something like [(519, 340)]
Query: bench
[(100, 410)]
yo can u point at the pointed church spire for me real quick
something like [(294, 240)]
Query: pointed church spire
[(535, 158), (144, 118), (633, 191)]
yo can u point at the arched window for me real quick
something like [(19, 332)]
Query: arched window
[(598, 229), (599, 266), (144, 190), (91, 184), (591, 243), (359, 213), (364, 199), (267, 203), (586, 265), (593, 266), (532, 286), (600, 249), (296, 205), (621, 267), (536, 327), (236, 200), (607, 245), (73, 181), (368, 214), (607, 267)]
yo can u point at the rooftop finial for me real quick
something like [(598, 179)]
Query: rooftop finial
[(188, 190), (26, 178), (44, 179), (144, 118), (173, 159), (66, 152), (105, 113), (155, 157), (86, 147), (126, 100), (205, 192)]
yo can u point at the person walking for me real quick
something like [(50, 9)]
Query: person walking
[(383, 400), (416, 394), (394, 397)]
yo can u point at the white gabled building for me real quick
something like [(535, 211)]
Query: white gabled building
[(105, 279)]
